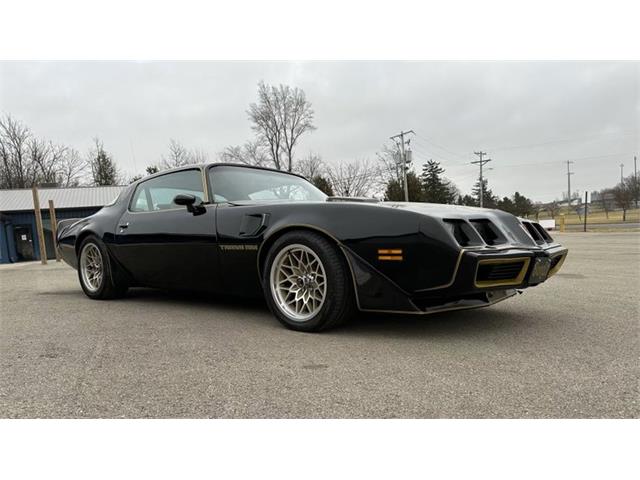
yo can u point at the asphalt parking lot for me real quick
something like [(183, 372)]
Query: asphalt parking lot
[(567, 348)]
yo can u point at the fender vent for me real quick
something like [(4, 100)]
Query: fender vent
[(488, 231), (543, 233), (535, 234), (464, 234)]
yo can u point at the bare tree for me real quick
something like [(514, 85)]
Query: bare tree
[(26, 160), (179, 156), (390, 167), (17, 171), (311, 166), (358, 178), (297, 118), (553, 208), (606, 200), (199, 156), (72, 168), (251, 153), (48, 160), (623, 194), (633, 183), (280, 117)]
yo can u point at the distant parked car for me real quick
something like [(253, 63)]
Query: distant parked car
[(549, 224), (316, 259)]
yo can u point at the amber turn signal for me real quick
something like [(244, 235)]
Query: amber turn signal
[(390, 254)]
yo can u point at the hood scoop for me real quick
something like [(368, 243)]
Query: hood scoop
[(353, 199)]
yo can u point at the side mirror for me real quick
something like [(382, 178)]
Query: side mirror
[(189, 201)]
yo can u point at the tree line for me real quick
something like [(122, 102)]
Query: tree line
[(625, 195), (279, 118), (27, 160)]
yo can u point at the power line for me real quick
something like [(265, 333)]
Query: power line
[(566, 140), (481, 162), (592, 157), (450, 152), (431, 155)]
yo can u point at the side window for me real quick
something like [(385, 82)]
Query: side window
[(158, 193), (139, 202)]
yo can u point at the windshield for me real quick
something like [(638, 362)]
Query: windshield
[(236, 184)]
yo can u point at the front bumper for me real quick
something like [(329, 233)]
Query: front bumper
[(528, 269), (537, 266), (375, 292)]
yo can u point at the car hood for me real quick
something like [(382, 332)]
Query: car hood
[(430, 209), (438, 209)]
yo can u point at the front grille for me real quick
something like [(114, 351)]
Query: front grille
[(495, 272)]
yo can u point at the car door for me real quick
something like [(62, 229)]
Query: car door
[(163, 244)]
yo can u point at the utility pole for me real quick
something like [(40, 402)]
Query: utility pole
[(569, 173), (40, 231), (586, 210), (635, 177), (403, 160), (481, 162)]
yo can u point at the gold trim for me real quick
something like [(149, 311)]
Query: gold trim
[(555, 269), (389, 251), (453, 277), (205, 187), (502, 283)]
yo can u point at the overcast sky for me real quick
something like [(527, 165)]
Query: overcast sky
[(529, 117)]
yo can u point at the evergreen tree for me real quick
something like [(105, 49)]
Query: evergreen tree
[(103, 168), (467, 201), (322, 183), (435, 188), (507, 205), (489, 201), (523, 206), (395, 189)]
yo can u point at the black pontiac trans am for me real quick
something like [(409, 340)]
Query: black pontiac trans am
[(253, 231)]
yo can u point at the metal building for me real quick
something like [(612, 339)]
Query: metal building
[(18, 235)]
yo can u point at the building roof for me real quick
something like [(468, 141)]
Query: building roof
[(77, 197)]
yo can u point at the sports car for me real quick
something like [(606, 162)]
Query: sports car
[(317, 260)]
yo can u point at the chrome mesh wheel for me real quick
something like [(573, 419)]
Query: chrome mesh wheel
[(91, 267), (298, 282)]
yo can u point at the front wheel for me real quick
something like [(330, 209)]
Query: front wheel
[(307, 282), (97, 277)]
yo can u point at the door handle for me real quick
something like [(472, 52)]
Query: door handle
[(122, 226)]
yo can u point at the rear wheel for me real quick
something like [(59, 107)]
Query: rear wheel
[(97, 276), (307, 283)]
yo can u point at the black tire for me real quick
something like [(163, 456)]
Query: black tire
[(339, 300), (112, 284)]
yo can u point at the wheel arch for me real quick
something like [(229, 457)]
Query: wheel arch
[(278, 233), (81, 236)]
